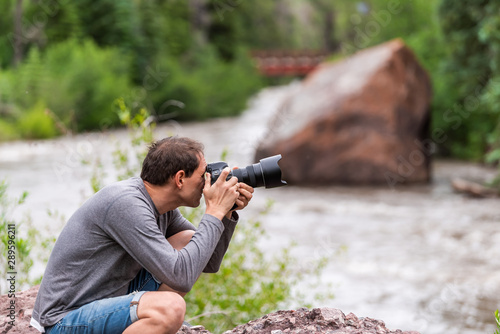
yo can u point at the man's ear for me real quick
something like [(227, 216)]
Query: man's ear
[(179, 179)]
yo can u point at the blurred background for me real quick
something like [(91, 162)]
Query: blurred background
[(74, 58), (78, 77)]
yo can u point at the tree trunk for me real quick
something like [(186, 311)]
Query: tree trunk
[(329, 41), (18, 31), (200, 18)]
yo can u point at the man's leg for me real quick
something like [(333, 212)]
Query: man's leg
[(162, 311), (159, 312), (181, 239), (178, 241)]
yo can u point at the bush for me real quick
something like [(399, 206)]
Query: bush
[(208, 86), (470, 32), (78, 82), (497, 320), (36, 123), (85, 80), (7, 131), (29, 119), (249, 284), (20, 243)]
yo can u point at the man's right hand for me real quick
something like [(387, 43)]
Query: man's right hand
[(221, 196)]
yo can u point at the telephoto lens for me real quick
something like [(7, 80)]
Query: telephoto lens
[(265, 173)]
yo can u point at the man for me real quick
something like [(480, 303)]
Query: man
[(126, 258)]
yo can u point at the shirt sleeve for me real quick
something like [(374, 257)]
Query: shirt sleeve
[(223, 244), (178, 223), (130, 222)]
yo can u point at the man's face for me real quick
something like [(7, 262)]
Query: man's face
[(195, 183)]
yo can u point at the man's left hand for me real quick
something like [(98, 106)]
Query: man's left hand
[(244, 197), (246, 194)]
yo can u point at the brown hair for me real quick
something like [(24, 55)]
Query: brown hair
[(169, 155)]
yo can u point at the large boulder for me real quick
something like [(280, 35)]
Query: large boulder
[(363, 120)]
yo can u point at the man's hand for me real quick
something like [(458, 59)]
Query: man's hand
[(221, 196), (246, 194), (243, 199)]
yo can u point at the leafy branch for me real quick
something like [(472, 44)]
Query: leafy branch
[(497, 319)]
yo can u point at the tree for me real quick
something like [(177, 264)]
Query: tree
[(466, 26), (6, 29)]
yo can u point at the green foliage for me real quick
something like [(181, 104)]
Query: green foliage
[(89, 78), (97, 177), (489, 34), (127, 158), (7, 131), (250, 283), (177, 35), (18, 240), (368, 23), (473, 115), (208, 86), (109, 22), (85, 63), (272, 26), (141, 129), (36, 123), (165, 30), (472, 31), (58, 21), (26, 82), (78, 82), (497, 320), (6, 50)]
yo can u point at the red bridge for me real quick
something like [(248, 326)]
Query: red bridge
[(287, 63)]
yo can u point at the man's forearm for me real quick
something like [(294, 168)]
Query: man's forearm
[(215, 261)]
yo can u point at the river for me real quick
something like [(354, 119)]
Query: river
[(419, 257)]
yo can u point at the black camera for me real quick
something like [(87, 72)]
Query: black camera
[(266, 173)]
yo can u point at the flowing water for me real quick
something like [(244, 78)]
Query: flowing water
[(419, 257)]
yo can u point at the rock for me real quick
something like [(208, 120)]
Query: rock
[(193, 330), (364, 120), (318, 320), (24, 302), (18, 321)]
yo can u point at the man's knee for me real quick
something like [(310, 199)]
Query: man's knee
[(166, 309), (172, 308), (176, 307)]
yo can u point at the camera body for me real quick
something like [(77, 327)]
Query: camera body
[(265, 173), (215, 169)]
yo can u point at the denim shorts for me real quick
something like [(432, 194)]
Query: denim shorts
[(111, 315)]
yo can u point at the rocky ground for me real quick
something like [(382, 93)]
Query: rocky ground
[(301, 321), (15, 313), (318, 320)]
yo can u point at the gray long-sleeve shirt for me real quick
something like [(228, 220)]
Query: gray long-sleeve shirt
[(111, 237)]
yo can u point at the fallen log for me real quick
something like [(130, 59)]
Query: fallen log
[(474, 189)]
